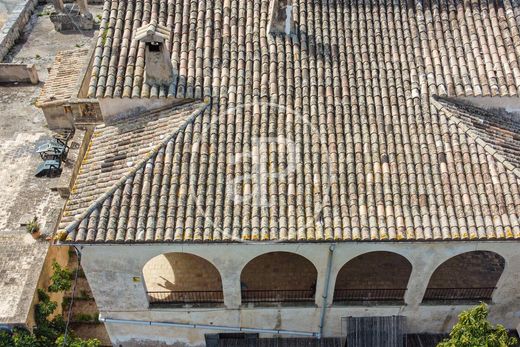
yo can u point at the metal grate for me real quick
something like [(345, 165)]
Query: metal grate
[(375, 331), (277, 295), (372, 294), (185, 297), (458, 294)]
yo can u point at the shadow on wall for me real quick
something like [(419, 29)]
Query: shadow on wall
[(181, 272)]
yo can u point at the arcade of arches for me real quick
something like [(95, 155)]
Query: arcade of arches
[(289, 278)]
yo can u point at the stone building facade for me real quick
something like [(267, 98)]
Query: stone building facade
[(112, 272), (349, 166)]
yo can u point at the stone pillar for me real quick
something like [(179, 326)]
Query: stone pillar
[(280, 17), (507, 285), (58, 5), (231, 288), (323, 277), (83, 6), (418, 282)]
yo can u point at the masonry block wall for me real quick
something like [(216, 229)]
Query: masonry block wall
[(14, 25), (469, 270), (180, 272), (382, 270), (277, 271)]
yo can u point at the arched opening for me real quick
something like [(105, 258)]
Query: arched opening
[(470, 276), (182, 279), (373, 277), (278, 277)]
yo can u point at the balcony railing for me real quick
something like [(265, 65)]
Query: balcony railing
[(458, 294), (277, 295), (369, 294), (186, 297)]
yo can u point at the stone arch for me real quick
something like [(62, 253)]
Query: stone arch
[(469, 276), (182, 278), (278, 277), (373, 276)]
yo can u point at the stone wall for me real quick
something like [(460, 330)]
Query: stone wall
[(14, 25), (23, 73), (179, 272), (61, 256), (276, 271), (114, 109), (375, 270), (111, 270), (468, 270)]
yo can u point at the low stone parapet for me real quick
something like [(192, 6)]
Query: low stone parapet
[(22, 73), (14, 25)]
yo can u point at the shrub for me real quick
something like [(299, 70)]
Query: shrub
[(61, 278), (33, 226), (49, 333), (6, 339), (474, 330), (77, 342), (22, 338), (45, 307)]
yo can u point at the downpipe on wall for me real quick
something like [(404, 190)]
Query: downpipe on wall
[(326, 289)]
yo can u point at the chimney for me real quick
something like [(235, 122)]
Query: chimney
[(281, 19), (158, 66)]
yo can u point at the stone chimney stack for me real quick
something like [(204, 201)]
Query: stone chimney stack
[(68, 17), (281, 19), (158, 66)]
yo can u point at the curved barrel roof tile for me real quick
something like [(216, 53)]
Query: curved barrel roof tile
[(329, 134)]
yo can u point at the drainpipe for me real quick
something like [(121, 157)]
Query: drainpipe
[(326, 288), (208, 327)]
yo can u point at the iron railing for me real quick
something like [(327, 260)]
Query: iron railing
[(454, 294), (298, 295), (186, 297), (369, 294)]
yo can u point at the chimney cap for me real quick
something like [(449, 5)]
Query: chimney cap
[(152, 33)]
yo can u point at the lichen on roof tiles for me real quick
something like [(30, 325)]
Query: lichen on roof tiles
[(329, 134), (64, 74)]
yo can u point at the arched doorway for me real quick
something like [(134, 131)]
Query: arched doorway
[(470, 276), (278, 277), (180, 279), (373, 277)]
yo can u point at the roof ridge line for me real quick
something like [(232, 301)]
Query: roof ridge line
[(122, 118), (101, 199), (438, 103)]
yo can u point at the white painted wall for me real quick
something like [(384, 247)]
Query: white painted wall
[(508, 103), (110, 271), (116, 108)]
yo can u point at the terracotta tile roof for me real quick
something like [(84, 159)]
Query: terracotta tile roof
[(119, 149), (328, 135), (453, 48), (63, 76), (497, 130)]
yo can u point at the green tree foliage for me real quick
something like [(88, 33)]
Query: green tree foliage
[(474, 330), (75, 342), (61, 278), (18, 338)]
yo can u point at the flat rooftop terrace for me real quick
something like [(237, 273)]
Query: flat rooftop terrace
[(22, 195)]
